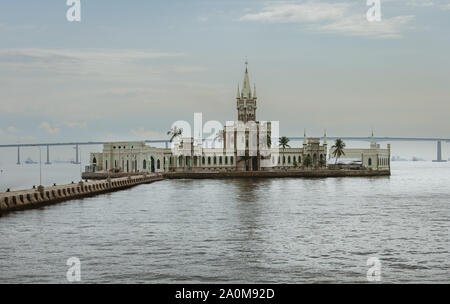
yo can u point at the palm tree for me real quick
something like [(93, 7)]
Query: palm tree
[(338, 149), (174, 132), (219, 137), (307, 162), (284, 142)]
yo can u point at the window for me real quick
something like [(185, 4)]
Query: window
[(226, 160), (144, 164), (289, 159), (203, 160), (158, 164), (370, 161), (231, 160), (299, 159), (284, 159), (293, 159), (220, 160), (215, 160), (209, 160)]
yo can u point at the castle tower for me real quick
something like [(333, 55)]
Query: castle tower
[(245, 100)]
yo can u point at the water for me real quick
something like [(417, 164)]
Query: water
[(241, 230), (18, 177)]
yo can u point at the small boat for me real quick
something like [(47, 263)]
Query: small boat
[(29, 161)]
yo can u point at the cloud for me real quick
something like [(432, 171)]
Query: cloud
[(324, 17), (48, 128), (141, 133), (74, 124), (301, 12), (12, 129)]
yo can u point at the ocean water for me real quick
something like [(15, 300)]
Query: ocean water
[(237, 230)]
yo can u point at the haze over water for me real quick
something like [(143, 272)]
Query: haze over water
[(240, 230)]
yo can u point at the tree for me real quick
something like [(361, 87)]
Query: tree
[(284, 142), (338, 149), (174, 133), (307, 161), (322, 162), (220, 137), (269, 141)]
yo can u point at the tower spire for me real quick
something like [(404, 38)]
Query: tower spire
[(238, 94), (246, 89), (304, 137)]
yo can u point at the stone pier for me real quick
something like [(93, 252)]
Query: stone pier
[(41, 196)]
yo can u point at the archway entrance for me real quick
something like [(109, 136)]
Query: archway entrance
[(152, 164), (254, 163)]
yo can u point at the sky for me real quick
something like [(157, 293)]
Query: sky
[(129, 69)]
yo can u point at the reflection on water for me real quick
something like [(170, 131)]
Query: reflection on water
[(241, 230)]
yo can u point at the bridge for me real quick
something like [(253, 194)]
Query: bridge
[(76, 145)]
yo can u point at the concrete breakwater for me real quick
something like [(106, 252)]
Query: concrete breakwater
[(279, 174), (41, 196)]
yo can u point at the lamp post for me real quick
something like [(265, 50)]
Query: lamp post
[(40, 166)]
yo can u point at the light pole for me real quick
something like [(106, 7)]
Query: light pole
[(81, 171), (40, 166)]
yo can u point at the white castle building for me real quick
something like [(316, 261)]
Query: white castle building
[(247, 146)]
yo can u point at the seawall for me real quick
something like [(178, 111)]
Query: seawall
[(278, 174), (35, 198)]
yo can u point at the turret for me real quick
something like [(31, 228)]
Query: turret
[(373, 144), (304, 138)]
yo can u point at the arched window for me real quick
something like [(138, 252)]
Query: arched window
[(209, 160), (231, 160), (284, 159), (220, 160), (94, 160), (299, 159), (215, 160), (195, 160), (180, 161), (144, 164), (158, 164), (293, 159), (106, 164), (370, 161), (226, 160), (289, 159), (203, 160), (278, 160)]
